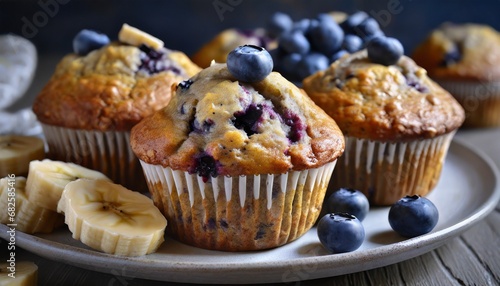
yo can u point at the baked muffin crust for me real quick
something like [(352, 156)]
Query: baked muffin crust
[(387, 103), (111, 88), (461, 51), (215, 125)]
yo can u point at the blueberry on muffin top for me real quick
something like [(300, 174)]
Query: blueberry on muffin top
[(111, 86), (461, 51), (378, 102), (217, 125)]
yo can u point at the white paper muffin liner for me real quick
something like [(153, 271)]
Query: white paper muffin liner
[(480, 100), (238, 213), (108, 152), (386, 172)]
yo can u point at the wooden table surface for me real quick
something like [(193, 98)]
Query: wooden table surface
[(473, 258)]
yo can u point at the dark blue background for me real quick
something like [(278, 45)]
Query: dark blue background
[(186, 24)]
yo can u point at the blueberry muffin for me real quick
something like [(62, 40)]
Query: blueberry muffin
[(219, 47), (99, 92), (397, 123), (465, 60), (237, 165)]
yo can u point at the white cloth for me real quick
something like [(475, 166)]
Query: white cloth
[(18, 61)]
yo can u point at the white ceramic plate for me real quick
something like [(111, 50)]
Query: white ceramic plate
[(467, 191)]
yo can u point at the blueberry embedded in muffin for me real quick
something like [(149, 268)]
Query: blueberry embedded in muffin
[(155, 61), (240, 158), (397, 122), (100, 91), (132, 77), (465, 60), (238, 111)]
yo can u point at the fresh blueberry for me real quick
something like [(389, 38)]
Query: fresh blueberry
[(353, 21), (366, 40), (340, 232), (249, 63), (304, 25), (384, 50), (88, 40), (312, 23), (289, 65), (338, 55), (278, 24), (352, 43), (277, 55), (294, 42), (323, 17), (367, 28), (349, 201), (311, 63), (413, 216), (327, 37)]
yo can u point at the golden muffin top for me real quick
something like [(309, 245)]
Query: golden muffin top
[(111, 88), (217, 125), (388, 103), (467, 52)]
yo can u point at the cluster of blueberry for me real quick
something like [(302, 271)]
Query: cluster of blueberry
[(341, 230), (311, 45)]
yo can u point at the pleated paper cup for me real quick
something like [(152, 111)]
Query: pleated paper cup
[(385, 171), (238, 213), (107, 152), (480, 100)]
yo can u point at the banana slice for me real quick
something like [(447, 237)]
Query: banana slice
[(110, 218), (26, 215), (47, 179), (16, 152), (24, 273), (136, 37)]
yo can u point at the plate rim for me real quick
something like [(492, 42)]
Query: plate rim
[(413, 247)]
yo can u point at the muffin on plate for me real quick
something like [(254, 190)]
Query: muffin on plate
[(223, 43), (465, 60), (397, 123), (238, 163), (99, 92)]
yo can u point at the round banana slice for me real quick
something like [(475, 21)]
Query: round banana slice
[(25, 215), (16, 153), (47, 179), (110, 218), (24, 273)]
